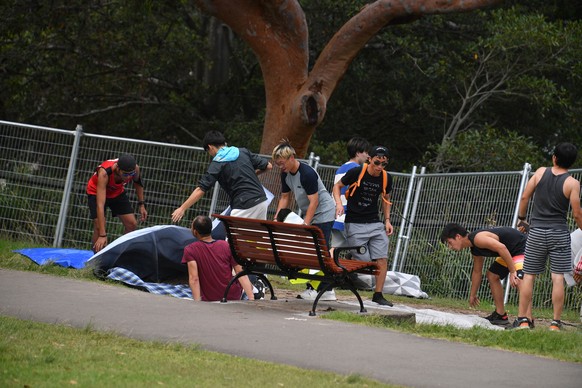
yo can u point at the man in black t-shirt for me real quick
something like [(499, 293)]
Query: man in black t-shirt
[(362, 224)]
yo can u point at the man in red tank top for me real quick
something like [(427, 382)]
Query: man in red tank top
[(106, 188)]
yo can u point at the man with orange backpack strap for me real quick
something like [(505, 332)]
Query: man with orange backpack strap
[(366, 185)]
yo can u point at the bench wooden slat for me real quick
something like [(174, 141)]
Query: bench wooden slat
[(269, 247)]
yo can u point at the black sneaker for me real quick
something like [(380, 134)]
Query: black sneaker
[(497, 319), (521, 323), (556, 325), (379, 298)]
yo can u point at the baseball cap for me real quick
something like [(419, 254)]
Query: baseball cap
[(126, 162), (378, 151)]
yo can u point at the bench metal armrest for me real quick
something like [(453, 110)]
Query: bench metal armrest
[(336, 252)]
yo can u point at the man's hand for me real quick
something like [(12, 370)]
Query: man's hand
[(100, 244), (339, 209), (143, 212), (523, 226), (177, 214), (474, 301), (389, 227), (514, 280)]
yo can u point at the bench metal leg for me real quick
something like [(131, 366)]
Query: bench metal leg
[(234, 279), (357, 294), (319, 294)]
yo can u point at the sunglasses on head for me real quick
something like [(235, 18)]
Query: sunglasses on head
[(377, 163)]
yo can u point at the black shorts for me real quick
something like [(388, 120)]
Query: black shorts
[(502, 271), (119, 205)]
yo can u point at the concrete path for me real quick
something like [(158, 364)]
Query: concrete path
[(278, 331)]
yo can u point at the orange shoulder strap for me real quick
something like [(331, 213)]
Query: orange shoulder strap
[(352, 188)]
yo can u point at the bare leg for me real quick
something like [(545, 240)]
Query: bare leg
[(381, 277), (129, 222), (496, 292), (525, 295), (558, 294)]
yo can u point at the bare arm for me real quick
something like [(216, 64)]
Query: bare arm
[(313, 203), (194, 280), (490, 241), (573, 193), (102, 180), (387, 205), (140, 196), (245, 283), (192, 199), (336, 192), (283, 202), (476, 276)]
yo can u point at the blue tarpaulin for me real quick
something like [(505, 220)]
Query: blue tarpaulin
[(74, 258)]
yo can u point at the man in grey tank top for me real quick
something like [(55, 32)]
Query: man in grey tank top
[(555, 190)]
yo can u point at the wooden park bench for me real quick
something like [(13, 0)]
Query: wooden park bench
[(276, 248)]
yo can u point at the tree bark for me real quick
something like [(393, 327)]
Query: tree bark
[(276, 30)]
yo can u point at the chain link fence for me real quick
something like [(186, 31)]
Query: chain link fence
[(44, 172)]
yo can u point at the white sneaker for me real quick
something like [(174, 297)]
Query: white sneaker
[(308, 294), (328, 296), (311, 294)]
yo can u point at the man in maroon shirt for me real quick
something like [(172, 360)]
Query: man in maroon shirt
[(210, 264)]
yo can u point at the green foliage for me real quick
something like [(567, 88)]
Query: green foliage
[(163, 71), (330, 153), (488, 150), (245, 134)]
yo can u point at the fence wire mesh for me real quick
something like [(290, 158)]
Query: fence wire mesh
[(37, 161)]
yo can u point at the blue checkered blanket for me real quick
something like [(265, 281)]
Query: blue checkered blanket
[(128, 277)]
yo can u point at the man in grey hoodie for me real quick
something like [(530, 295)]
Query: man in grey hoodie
[(236, 171)]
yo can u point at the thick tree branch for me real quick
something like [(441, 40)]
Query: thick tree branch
[(338, 54)]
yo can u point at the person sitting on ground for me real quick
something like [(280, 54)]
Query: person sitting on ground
[(210, 265), (504, 243)]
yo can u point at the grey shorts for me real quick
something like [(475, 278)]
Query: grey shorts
[(338, 238), (372, 236), (542, 243), (258, 211)]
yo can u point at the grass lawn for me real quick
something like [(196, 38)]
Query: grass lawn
[(36, 354)]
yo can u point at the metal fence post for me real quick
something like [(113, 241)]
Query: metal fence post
[(404, 217), (60, 228), (214, 200), (411, 218), (524, 178)]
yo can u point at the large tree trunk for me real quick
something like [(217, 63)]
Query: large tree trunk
[(277, 32)]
